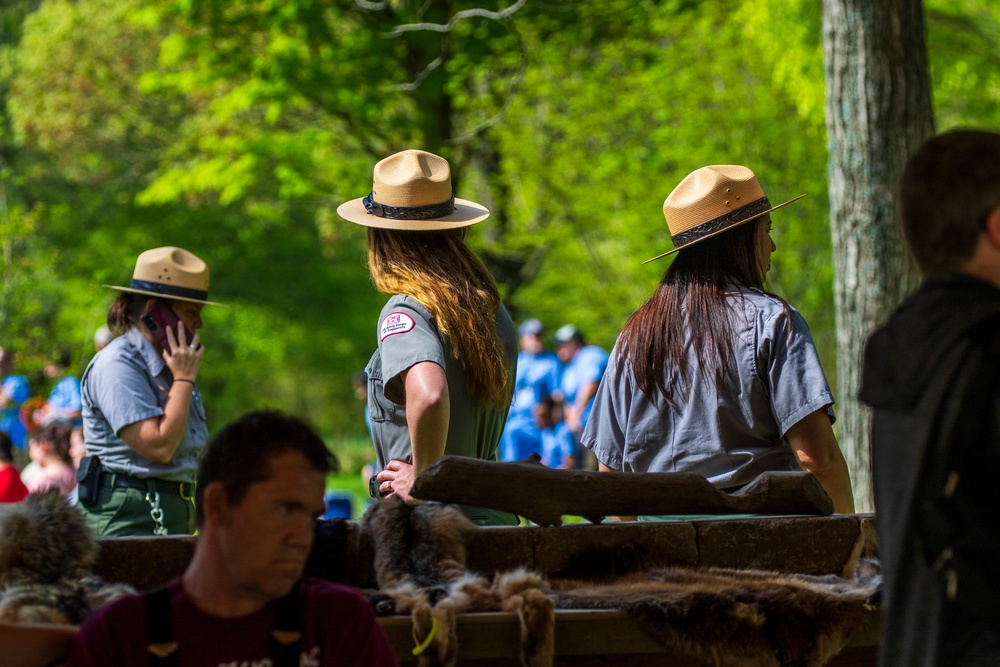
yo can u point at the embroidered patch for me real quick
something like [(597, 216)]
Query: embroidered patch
[(395, 323)]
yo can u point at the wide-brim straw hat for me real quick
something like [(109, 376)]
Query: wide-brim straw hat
[(170, 273), (411, 190), (711, 201)]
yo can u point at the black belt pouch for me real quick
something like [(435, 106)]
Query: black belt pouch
[(88, 479)]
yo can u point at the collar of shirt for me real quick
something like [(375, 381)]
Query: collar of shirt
[(146, 350)]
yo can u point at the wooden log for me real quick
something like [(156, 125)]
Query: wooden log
[(543, 495)]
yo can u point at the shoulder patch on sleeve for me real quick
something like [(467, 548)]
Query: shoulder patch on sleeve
[(395, 323)]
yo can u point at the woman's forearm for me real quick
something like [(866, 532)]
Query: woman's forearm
[(157, 438)]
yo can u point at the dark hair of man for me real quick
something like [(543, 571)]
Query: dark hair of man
[(240, 454), (57, 434), (691, 302), (6, 448), (125, 311), (948, 188)]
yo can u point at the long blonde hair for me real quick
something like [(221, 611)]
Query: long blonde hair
[(440, 271)]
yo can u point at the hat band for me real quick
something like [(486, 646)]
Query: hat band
[(720, 223), (408, 212), (169, 290)]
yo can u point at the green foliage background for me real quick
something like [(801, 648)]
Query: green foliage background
[(234, 128)]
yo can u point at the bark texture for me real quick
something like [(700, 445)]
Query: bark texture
[(878, 110)]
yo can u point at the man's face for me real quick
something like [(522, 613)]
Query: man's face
[(267, 537), (531, 344), (565, 351)]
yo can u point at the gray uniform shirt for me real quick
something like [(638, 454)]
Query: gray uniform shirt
[(729, 433), (128, 382), (407, 335)]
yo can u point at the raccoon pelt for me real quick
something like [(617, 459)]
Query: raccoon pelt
[(733, 617), (420, 563), (43, 539), (47, 557)]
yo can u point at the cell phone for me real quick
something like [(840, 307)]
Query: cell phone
[(157, 319)]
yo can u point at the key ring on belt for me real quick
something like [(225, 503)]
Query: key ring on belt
[(153, 498)]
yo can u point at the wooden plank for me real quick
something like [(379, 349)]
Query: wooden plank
[(544, 495), (603, 637)]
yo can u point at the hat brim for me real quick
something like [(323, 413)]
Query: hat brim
[(170, 297), (723, 231), (466, 213)]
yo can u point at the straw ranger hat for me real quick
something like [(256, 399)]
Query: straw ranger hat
[(412, 190), (170, 273), (713, 200)]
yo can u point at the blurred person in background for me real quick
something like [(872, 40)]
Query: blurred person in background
[(14, 390), (584, 366), (559, 448), (12, 489), (537, 377), (51, 464), (64, 401)]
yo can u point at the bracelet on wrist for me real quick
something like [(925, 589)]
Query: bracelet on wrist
[(191, 382)]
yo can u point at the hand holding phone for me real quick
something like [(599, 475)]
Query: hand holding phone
[(157, 319)]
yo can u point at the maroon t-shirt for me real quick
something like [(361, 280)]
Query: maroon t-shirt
[(12, 489), (338, 628)]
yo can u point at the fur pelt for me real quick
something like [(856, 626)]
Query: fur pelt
[(715, 616), (47, 557), (733, 617), (420, 564)]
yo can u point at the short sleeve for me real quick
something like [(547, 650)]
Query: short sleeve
[(66, 394), (605, 431), (122, 391), (407, 336), (793, 372)]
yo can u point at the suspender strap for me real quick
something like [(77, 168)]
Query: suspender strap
[(160, 630), (285, 641), (286, 635)]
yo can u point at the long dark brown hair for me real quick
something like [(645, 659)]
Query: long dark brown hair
[(440, 271), (690, 303)]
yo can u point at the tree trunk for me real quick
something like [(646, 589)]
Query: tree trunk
[(878, 110)]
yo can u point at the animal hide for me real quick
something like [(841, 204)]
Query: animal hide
[(732, 617), (420, 564), (47, 556), (712, 615)]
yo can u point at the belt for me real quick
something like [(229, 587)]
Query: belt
[(118, 480)]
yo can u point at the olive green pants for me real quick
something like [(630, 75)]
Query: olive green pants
[(127, 513)]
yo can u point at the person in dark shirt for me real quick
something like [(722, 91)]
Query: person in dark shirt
[(243, 600), (932, 376)]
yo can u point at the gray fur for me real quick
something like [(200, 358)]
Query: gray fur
[(47, 557)]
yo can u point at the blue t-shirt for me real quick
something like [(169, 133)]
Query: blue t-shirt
[(537, 377), (586, 366), (15, 387), (728, 433), (558, 444), (65, 398)]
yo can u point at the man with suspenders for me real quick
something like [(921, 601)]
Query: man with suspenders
[(242, 599)]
